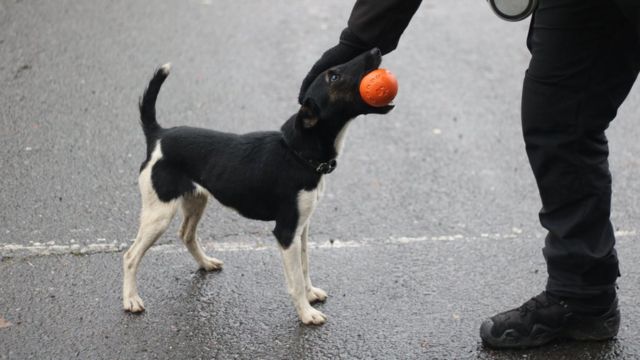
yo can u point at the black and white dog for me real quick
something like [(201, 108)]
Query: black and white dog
[(270, 176)]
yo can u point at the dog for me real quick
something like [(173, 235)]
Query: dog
[(269, 176)]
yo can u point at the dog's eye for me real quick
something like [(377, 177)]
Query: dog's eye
[(334, 77)]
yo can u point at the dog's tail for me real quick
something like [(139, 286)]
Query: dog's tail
[(147, 102)]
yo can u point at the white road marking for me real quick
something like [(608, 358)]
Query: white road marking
[(50, 248)]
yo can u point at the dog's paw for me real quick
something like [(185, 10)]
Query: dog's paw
[(211, 264), (316, 294), (311, 316), (133, 304)]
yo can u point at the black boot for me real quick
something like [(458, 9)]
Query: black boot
[(545, 318)]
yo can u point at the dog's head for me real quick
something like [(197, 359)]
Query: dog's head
[(334, 96)]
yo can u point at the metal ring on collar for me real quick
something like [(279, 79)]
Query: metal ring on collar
[(513, 10)]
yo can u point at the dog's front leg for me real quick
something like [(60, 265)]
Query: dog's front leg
[(290, 226), (291, 257), (313, 293)]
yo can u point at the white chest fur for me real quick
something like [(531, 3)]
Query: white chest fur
[(307, 202), (339, 142)]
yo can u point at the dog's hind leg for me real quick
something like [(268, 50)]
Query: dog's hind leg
[(313, 293), (154, 220), (193, 207)]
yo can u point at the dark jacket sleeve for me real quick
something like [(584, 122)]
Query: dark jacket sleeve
[(379, 23), (631, 9)]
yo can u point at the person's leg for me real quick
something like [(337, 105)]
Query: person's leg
[(585, 58), (584, 61)]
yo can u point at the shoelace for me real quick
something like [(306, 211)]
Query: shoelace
[(537, 302)]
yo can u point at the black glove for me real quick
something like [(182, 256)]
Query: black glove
[(348, 48)]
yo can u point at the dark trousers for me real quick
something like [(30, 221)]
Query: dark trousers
[(585, 59)]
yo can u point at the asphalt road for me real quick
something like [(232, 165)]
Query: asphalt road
[(428, 225)]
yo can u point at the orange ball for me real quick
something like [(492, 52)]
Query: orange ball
[(379, 87)]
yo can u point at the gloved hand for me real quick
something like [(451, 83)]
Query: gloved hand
[(348, 48)]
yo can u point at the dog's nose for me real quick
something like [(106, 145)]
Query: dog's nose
[(375, 52)]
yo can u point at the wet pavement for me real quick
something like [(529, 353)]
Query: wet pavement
[(422, 299), (428, 225)]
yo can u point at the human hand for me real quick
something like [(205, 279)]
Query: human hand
[(348, 48)]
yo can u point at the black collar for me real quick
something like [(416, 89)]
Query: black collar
[(318, 166)]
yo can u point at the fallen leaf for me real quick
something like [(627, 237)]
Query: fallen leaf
[(4, 323)]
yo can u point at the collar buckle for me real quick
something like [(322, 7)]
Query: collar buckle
[(320, 167), (327, 167)]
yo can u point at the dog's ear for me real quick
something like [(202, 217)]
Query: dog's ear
[(308, 115)]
